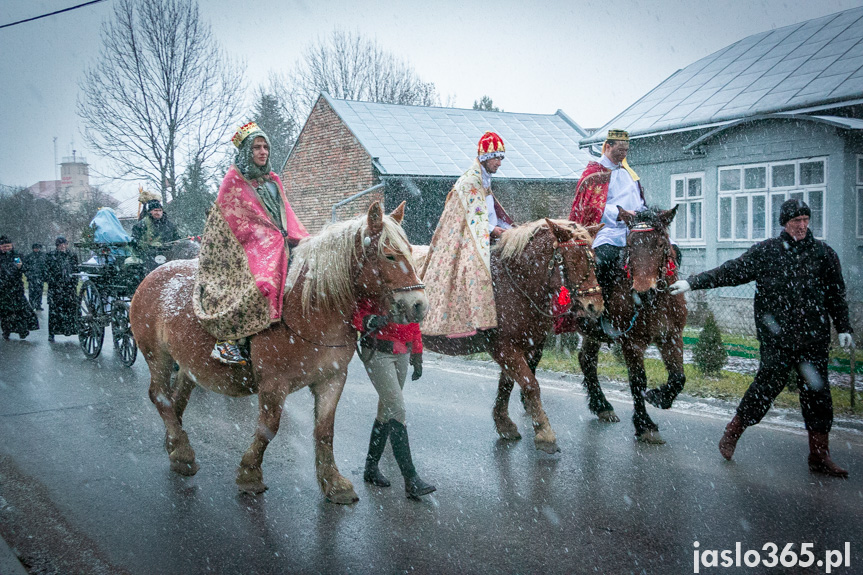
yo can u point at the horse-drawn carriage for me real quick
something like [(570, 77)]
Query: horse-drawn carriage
[(112, 268)]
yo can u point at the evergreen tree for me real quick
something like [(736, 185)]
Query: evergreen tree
[(280, 129), (709, 353), (189, 208), (485, 103)]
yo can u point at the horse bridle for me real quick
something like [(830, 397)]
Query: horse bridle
[(664, 271), (366, 243), (558, 260)]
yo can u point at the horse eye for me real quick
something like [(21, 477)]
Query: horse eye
[(391, 258)]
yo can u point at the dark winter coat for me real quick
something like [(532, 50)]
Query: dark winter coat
[(799, 287), (16, 315), (34, 266), (62, 294), (151, 232)]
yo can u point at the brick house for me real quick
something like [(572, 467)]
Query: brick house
[(776, 115), (416, 153)]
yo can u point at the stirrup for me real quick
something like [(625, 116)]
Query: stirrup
[(227, 352)]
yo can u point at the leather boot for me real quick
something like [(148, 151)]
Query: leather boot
[(377, 443), (414, 486), (733, 431), (819, 456)]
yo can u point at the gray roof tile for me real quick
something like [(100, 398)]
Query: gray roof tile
[(413, 140), (795, 66)]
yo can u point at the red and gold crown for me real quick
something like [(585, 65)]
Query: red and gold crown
[(490, 146), (244, 132)]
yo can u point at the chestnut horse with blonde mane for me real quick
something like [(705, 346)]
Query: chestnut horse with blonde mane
[(368, 257), (529, 265)]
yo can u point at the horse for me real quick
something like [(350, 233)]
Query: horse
[(529, 265), (311, 345), (641, 312)]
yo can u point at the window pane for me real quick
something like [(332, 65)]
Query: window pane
[(783, 175), (860, 171), (811, 173), (693, 188), (680, 224), (816, 219), (741, 218), (776, 201), (729, 180), (759, 217), (678, 188), (755, 178), (724, 218), (797, 196), (860, 212), (695, 221)]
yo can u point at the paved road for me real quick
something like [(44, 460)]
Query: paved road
[(85, 484)]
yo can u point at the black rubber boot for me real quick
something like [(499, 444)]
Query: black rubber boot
[(377, 443), (414, 486)]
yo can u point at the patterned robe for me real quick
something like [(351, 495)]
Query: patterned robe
[(457, 270), (243, 263)]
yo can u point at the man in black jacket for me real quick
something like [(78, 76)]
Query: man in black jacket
[(35, 269), (799, 288)]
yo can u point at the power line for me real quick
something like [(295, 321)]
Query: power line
[(51, 13)]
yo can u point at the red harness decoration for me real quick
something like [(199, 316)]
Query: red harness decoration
[(670, 268)]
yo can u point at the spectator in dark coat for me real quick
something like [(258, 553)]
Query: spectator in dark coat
[(799, 289), (34, 268), (16, 315), (62, 291)]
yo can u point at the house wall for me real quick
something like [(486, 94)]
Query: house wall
[(327, 165), (657, 159)]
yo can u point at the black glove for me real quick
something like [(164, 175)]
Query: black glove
[(374, 322), (417, 363)]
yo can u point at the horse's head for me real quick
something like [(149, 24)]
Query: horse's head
[(648, 257), (577, 264), (386, 268)]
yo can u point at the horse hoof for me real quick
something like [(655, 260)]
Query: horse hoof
[(252, 488), (655, 398), (652, 437), (548, 447), (510, 434), (185, 467), (608, 416), (348, 497)]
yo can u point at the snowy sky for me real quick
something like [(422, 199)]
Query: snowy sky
[(591, 59)]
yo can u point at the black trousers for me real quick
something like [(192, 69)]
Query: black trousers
[(776, 364)]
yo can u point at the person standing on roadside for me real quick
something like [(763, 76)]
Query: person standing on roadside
[(16, 315), (34, 269)]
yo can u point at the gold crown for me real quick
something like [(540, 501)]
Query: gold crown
[(617, 135), (244, 132)]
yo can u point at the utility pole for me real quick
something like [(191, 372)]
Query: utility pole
[(56, 174)]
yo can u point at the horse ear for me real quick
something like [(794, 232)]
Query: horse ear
[(668, 215), (594, 229), (561, 234), (398, 214), (376, 218), (625, 217)]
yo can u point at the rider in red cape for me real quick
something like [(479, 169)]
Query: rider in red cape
[(245, 249)]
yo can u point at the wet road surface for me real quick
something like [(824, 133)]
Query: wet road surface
[(85, 484)]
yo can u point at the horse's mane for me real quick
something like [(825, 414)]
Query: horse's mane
[(326, 260), (649, 215), (512, 242)]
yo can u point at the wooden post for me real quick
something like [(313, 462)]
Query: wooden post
[(851, 364)]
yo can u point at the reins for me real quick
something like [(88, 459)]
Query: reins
[(557, 259)]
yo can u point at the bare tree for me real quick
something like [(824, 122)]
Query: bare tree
[(349, 66), (161, 89)]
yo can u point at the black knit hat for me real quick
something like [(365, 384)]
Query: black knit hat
[(5, 240), (791, 209), (153, 205), (36, 247), (60, 240)]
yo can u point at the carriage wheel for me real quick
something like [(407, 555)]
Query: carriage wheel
[(91, 333), (124, 341)]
